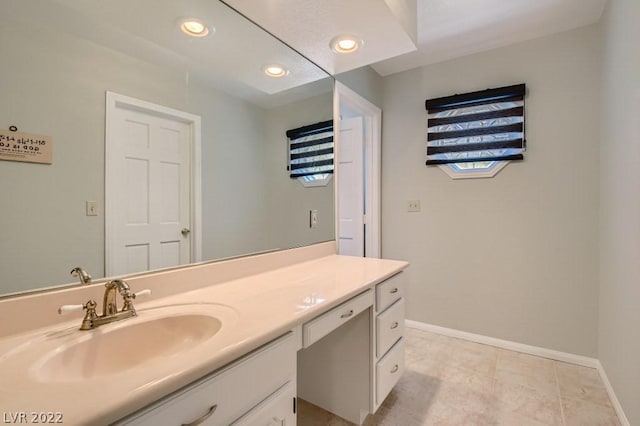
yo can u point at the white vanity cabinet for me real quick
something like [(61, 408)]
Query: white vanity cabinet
[(353, 355), (389, 333), (258, 389), (346, 360), (334, 366)]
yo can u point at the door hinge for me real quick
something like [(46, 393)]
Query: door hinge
[(294, 405)]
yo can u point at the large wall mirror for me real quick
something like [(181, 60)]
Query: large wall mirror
[(61, 57)]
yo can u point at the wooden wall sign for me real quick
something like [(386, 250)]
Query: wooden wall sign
[(18, 146)]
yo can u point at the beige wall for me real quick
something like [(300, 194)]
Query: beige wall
[(234, 187), (516, 256), (619, 320), (289, 202)]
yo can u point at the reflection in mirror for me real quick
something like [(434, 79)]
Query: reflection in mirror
[(60, 59)]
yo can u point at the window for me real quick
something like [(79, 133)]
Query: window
[(476, 134), (311, 153)]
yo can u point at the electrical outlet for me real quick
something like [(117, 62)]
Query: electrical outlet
[(413, 206), (313, 218), (92, 208)]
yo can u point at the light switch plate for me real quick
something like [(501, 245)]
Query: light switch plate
[(313, 218), (92, 208), (413, 206)]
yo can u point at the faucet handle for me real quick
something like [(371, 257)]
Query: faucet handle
[(89, 317), (90, 306), (145, 292), (128, 298), (67, 309)]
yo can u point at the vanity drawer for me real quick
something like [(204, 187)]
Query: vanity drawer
[(389, 327), (319, 327), (234, 390), (388, 371), (389, 291), (277, 410)]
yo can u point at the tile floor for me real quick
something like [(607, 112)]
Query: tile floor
[(450, 381)]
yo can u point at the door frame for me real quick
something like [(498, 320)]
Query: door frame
[(372, 115), (114, 101)]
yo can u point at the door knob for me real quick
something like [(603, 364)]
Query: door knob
[(185, 231)]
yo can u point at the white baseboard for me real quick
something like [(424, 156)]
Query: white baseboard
[(531, 350), (506, 344), (612, 395)]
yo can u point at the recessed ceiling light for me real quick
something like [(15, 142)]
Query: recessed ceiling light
[(275, 70), (194, 27), (345, 44)]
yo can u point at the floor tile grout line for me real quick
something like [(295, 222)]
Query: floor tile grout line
[(555, 372)]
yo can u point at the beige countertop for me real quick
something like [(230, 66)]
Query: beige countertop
[(255, 308)]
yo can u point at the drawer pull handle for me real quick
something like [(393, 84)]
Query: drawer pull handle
[(394, 325), (393, 290), (394, 369), (347, 315), (277, 422), (204, 417)]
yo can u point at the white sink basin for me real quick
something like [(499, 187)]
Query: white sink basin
[(155, 334)]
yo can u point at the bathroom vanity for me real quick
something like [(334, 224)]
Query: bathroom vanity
[(243, 339)]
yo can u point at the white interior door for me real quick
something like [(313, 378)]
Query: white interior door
[(351, 187), (148, 189)]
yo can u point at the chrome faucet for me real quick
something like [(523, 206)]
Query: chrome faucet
[(110, 311), (84, 277)]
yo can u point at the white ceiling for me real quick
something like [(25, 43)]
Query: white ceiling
[(445, 29)]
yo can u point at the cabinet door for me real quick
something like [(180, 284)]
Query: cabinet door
[(277, 410), (388, 370), (319, 327), (389, 291), (389, 327), (226, 395)]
